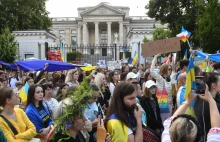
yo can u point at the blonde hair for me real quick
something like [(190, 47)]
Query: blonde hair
[(59, 109), (164, 69), (69, 76), (98, 80), (183, 129)]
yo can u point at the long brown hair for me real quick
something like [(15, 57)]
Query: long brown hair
[(117, 105), (164, 69), (5, 93)]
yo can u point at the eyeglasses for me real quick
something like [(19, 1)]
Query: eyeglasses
[(170, 69), (134, 82)]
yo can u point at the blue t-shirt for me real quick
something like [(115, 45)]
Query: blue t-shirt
[(91, 112)]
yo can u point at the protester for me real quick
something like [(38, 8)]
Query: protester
[(163, 82), (182, 127), (150, 105), (62, 92), (37, 112), (48, 101), (122, 114), (133, 78), (147, 77), (24, 129), (72, 77), (201, 107), (113, 79)]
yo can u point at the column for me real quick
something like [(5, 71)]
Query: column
[(84, 33), (109, 33), (96, 33), (79, 35), (121, 33)]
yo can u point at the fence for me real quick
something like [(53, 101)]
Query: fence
[(91, 54)]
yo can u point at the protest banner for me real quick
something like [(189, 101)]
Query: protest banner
[(200, 62), (112, 65), (160, 46)]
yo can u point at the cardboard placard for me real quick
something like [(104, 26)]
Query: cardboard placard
[(161, 46)]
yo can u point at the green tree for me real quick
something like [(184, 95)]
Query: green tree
[(7, 46), (209, 27), (24, 14), (145, 40), (160, 33), (177, 13)]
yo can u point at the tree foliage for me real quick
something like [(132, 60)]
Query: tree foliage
[(177, 13), (7, 46), (24, 14), (209, 27), (145, 40), (160, 33)]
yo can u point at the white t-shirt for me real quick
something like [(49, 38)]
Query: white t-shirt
[(50, 104)]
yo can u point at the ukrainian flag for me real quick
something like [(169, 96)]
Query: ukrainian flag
[(24, 92), (61, 51), (190, 78), (135, 58), (130, 61), (185, 55)]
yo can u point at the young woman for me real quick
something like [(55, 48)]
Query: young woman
[(62, 91), (150, 105), (48, 101), (37, 112), (113, 79), (163, 81), (72, 78), (201, 107), (24, 127), (181, 127), (147, 77), (101, 83)]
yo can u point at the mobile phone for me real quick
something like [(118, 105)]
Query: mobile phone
[(200, 84), (136, 107)]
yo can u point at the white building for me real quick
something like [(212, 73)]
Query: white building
[(32, 44), (97, 26)]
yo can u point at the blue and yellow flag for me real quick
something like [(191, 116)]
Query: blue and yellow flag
[(61, 51), (24, 92), (190, 78), (185, 55), (135, 58)]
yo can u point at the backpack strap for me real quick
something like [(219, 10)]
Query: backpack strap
[(10, 125)]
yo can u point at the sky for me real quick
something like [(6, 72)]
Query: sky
[(68, 8)]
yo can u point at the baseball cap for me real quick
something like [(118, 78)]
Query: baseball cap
[(131, 75), (150, 83)]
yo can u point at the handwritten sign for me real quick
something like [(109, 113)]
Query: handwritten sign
[(112, 65), (161, 46)]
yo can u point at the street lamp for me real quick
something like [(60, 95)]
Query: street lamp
[(115, 42)]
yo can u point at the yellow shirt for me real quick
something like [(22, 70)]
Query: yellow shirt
[(26, 129)]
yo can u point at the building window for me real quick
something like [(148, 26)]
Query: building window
[(92, 51), (104, 51), (26, 56), (73, 31), (104, 38), (73, 40), (61, 31)]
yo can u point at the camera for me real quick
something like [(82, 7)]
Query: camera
[(200, 84)]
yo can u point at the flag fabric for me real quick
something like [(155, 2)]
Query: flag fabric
[(130, 61), (24, 92), (124, 52), (185, 55), (184, 35), (190, 78), (61, 51), (135, 58)]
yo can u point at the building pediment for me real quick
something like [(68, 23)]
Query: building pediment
[(102, 9)]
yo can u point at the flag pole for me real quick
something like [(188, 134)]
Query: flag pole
[(189, 45)]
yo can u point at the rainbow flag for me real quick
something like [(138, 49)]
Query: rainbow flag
[(185, 55), (61, 51), (124, 52), (24, 92), (135, 58), (184, 35), (190, 78)]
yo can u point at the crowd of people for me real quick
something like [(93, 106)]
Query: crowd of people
[(119, 105)]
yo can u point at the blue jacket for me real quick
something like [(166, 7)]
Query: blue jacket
[(35, 118)]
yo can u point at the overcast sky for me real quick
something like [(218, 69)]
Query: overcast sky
[(68, 8)]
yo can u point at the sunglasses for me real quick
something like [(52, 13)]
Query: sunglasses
[(134, 82), (95, 97), (170, 69)]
